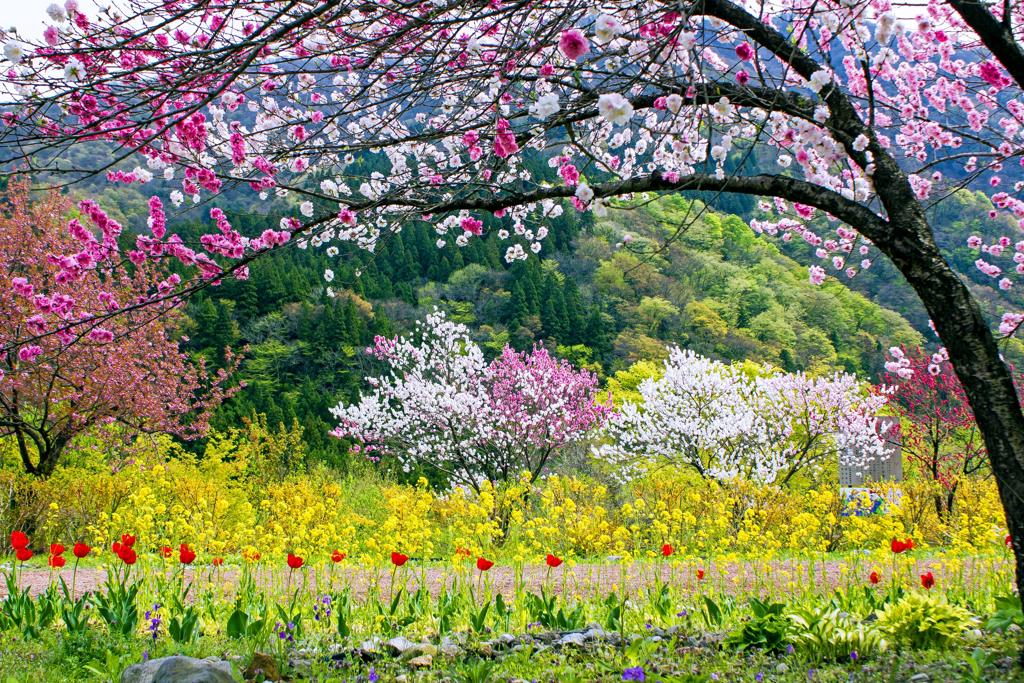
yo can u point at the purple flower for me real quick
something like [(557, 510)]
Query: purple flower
[(635, 673), (373, 677)]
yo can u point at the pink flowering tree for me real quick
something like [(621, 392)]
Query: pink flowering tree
[(441, 405), (867, 116), (938, 433), (127, 368), (726, 423)]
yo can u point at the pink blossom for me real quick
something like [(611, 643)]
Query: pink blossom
[(573, 44)]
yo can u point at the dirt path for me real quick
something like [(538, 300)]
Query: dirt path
[(586, 579)]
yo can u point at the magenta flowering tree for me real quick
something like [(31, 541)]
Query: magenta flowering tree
[(440, 405), (869, 116), (127, 369)]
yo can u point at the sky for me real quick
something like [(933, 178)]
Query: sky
[(29, 16)]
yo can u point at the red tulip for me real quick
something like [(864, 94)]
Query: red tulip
[(927, 580), (553, 561), (337, 556), (80, 550), (1008, 541), (23, 554), (56, 549), (700, 574), (398, 559), (294, 561), (874, 578), (128, 540), (483, 564), (898, 546), (166, 551), (218, 561), (57, 561), (127, 554), (185, 554), (667, 550), (116, 548), (19, 540)]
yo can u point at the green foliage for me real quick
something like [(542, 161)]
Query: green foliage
[(829, 634), (1008, 612), (766, 629), (549, 612), (923, 620)]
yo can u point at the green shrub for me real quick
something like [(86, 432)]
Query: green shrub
[(829, 634), (923, 620)]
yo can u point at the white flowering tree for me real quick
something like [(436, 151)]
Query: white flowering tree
[(441, 405), (725, 423)]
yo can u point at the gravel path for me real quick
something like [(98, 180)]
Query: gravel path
[(585, 579)]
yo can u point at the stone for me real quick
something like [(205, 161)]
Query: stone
[(422, 662), (399, 645), (575, 639), (919, 678), (449, 648), (179, 669), (262, 666)]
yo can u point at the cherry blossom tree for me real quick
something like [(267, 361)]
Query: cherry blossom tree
[(726, 423), (441, 405), (127, 369), (868, 116), (938, 432)]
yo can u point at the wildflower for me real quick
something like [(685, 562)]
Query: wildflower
[(337, 556), (218, 561), (81, 550), (667, 550), (152, 617), (573, 44), (553, 561), (166, 551), (874, 578), (372, 677), (185, 554), (635, 673), (294, 561), (927, 580), (398, 559), (19, 540), (853, 656), (700, 574), (483, 564)]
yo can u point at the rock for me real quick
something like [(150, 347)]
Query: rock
[(485, 650), (594, 633), (575, 639), (919, 678), (449, 648), (179, 670), (262, 667), (399, 645), (422, 662)]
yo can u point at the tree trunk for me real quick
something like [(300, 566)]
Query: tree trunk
[(975, 357)]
